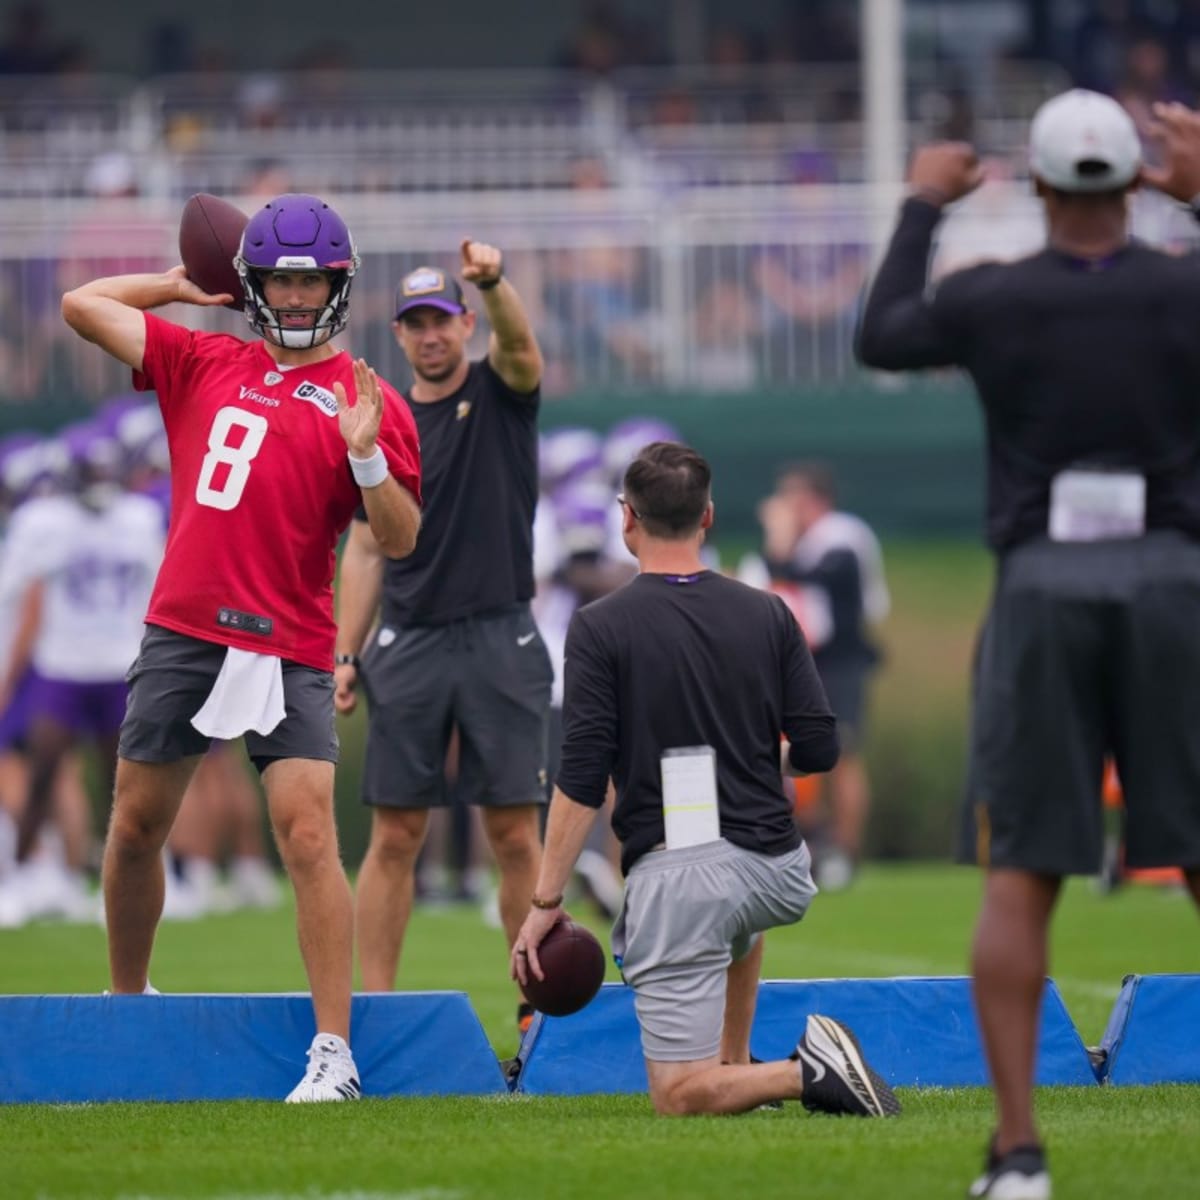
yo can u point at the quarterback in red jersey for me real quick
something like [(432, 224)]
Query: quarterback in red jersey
[(274, 444)]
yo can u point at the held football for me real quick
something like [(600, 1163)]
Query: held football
[(210, 232), (573, 963)]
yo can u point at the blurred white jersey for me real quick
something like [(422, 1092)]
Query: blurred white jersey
[(98, 568)]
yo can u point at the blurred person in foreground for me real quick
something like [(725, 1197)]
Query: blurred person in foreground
[(834, 559), (274, 444), (83, 564), (1087, 364), (678, 687), (457, 646)]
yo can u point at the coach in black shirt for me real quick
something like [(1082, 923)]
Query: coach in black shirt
[(456, 646), (678, 687), (1086, 357)]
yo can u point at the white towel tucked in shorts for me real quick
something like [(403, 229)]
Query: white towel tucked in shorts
[(247, 694)]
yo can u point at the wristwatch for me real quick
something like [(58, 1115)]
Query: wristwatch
[(346, 660)]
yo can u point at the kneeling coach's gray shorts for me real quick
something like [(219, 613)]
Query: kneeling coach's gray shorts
[(687, 915), (171, 678)]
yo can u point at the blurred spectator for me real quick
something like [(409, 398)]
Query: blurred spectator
[(1100, 44), (114, 236), (265, 178), (726, 325), (598, 46), (810, 292), (1184, 41), (597, 295), (27, 48), (1146, 81), (169, 48), (260, 99)]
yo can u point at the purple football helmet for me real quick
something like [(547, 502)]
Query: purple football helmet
[(95, 453), (31, 465), (297, 233), (626, 439), (581, 508), (569, 453)]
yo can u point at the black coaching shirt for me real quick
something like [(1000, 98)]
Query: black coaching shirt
[(1089, 363), (698, 660), (474, 553)]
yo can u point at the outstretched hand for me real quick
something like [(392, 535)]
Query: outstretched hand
[(944, 172), (359, 420), (481, 263), (1176, 128), (191, 293)]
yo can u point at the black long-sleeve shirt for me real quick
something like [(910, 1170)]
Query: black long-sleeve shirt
[(1076, 362), (673, 661)]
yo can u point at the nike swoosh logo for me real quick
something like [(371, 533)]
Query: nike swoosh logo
[(818, 1067), (526, 639)]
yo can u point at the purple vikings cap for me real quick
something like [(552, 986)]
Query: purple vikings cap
[(427, 287)]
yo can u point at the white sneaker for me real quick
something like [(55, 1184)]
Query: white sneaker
[(331, 1073), (14, 909), (253, 884), (8, 843), (180, 901), (148, 990)]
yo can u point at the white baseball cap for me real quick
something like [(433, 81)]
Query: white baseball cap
[(1082, 141)]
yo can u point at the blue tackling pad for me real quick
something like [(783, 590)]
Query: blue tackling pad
[(85, 1049), (1152, 1032), (914, 1032)]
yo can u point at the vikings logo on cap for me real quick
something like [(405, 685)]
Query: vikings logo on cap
[(422, 282), (428, 287)]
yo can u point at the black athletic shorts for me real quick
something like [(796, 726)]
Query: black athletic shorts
[(489, 677), (1089, 650), (171, 678), (845, 685)]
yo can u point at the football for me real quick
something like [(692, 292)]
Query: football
[(210, 232), (572, 961)]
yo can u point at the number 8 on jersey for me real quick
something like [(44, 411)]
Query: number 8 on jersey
[(236, 458)]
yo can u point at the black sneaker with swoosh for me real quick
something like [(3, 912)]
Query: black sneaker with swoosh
[(836, 1076)]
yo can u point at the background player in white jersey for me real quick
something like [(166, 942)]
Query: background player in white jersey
[(82, 566), (274, 444)]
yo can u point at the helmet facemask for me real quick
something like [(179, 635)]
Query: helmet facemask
[(329, 319)]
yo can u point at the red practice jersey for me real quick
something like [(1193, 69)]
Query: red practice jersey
[(261, 490)]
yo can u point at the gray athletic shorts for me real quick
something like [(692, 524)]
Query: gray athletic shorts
[(1089, 650), (687, 915), (487, 676), (171, 678)]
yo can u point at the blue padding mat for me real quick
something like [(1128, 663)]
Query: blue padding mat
[(71, 1049), (1153, 1034), (915, 1032)]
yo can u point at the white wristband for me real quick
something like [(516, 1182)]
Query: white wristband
[(369, 472)]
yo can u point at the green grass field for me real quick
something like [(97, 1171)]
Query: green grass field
[(898, 920)]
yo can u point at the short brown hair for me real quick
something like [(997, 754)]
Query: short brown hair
[(816, 476), (668, 486)]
